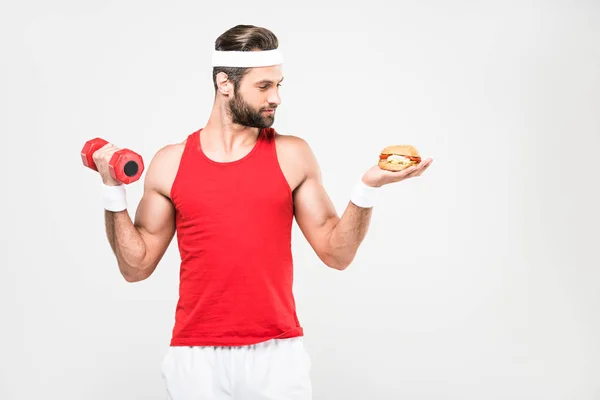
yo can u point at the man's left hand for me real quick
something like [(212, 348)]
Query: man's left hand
[(377, 177)]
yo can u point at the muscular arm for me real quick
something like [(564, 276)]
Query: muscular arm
[(335, 240), (139, 246)]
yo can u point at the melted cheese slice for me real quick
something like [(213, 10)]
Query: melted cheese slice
[(396, 159)]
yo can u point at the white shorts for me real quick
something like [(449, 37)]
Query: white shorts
[(277, 369)]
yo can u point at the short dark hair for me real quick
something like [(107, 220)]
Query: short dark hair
[(243, 38)]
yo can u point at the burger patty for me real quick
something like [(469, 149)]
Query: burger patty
[(410, 158)]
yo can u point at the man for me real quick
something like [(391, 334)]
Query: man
[(231, 191)]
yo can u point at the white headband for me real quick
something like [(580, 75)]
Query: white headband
[(246, 59)]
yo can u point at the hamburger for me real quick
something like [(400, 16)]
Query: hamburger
[(399, 157)]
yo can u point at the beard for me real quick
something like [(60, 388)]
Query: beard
[(244, 114)]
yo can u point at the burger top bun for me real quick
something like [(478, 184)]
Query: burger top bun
[(402, 149)]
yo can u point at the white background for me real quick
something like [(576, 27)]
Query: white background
[(478, 280)]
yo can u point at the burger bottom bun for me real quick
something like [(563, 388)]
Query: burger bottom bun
[(394, 167)]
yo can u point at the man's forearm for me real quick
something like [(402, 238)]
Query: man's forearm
[(347, 235), (126, 242)]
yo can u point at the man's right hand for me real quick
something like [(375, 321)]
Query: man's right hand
[(101, 158)]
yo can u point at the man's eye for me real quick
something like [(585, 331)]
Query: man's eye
[(266, 87)]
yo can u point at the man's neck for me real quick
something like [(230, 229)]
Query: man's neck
[(221, 132)]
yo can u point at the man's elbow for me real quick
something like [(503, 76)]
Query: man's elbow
[(338, 263), (133, 278), (132, 275), (339, 266)]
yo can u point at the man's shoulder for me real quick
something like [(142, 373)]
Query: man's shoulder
[(291, 142), (298, 151), (170, 150), (164, 165)]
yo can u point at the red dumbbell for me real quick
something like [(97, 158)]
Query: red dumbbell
[(125, 165)]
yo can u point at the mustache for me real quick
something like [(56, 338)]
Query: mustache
[(271, 107)]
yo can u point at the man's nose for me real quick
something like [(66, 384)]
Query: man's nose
[(274, 98)]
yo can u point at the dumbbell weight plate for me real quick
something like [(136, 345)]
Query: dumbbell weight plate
[(88, 151), (126, 166)]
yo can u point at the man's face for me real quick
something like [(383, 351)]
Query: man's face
[(257, 97)]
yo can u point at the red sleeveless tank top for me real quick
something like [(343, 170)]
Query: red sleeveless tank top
[(233, 224)]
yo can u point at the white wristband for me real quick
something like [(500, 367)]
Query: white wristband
[(364, 195), (113, 197)]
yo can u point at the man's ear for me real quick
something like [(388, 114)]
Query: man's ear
[(224, 85)]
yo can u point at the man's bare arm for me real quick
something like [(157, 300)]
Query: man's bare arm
[(335, 240), (140, 245)]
